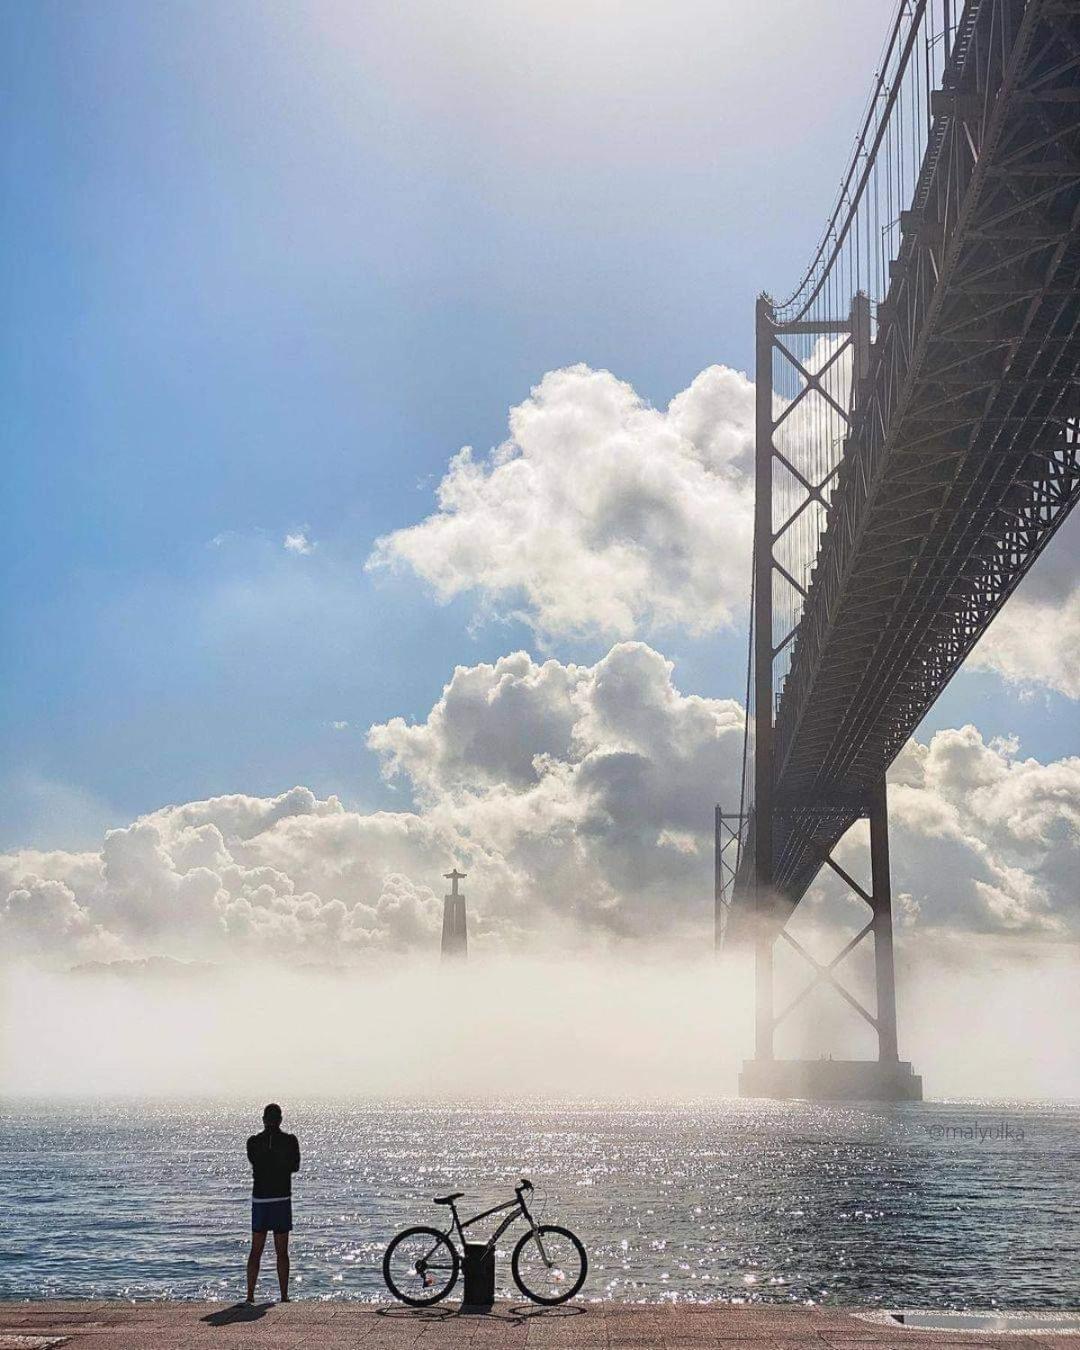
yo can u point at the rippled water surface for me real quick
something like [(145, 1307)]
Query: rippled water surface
[(946, 1205)]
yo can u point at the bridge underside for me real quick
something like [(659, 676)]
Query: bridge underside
[(963, 455)]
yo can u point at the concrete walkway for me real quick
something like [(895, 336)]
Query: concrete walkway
[(309, 1325)]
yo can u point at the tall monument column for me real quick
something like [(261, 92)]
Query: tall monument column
[(455, 932)]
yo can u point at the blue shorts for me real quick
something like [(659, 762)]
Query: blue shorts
[(271, 1216)]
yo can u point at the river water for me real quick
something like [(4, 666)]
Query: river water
[(945, 1205)]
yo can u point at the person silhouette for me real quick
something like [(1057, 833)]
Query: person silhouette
[(274, 1157)]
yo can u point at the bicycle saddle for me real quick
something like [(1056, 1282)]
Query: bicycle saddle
[(448, 1199)]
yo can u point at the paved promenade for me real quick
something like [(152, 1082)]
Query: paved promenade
[(590, 1326)]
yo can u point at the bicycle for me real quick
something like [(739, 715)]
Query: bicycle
[(549, 1265)]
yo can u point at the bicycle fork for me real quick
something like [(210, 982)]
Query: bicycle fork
[(536, 1234)]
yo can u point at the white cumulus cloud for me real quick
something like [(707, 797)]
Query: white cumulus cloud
[(599, 513), (982, 840), (297, 541), (578, 798), (1035, 641)]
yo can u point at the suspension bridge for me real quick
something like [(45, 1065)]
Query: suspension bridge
[(916, 449)]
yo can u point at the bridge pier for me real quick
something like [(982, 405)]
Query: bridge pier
[(830, 1080), (888, 1078)]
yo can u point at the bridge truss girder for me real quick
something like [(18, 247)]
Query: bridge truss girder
[(961, 460), (964, 453)]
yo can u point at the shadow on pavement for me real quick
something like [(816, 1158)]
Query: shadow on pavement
[(517, 1313), (417, 1314), (239, 1312), (522, 1312)]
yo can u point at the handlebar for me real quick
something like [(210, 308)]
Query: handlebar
[(525, 1185)]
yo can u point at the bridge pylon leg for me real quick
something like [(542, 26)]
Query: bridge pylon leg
[(764, 898), (764, 1021), (881, 888)]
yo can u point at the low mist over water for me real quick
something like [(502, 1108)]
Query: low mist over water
[(605, 1025)]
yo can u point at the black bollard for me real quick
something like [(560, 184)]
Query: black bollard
[(479, 1266)]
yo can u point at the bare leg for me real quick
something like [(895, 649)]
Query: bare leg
[(258, 1241), (281, 1247)]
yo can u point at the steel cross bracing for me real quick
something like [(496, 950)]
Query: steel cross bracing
[(962, 457), (728, 829)]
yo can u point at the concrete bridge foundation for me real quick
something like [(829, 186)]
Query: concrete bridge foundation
[(831, 1080)]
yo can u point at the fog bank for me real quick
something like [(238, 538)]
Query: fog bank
[(596, 1027)]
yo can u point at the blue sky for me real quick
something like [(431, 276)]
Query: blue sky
[(265, 267)]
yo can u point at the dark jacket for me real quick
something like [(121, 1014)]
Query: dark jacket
[(274, 1157)]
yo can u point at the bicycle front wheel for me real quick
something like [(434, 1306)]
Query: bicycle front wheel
[(420, 1266), (549, 1264)]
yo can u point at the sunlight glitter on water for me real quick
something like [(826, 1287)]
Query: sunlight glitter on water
[(739, 1201)]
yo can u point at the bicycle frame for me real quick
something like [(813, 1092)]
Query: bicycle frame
[(520, 1210)]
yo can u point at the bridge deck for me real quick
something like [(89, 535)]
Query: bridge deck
[(963, 458)]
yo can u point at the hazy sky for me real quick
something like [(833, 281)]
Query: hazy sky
[(266, 269)]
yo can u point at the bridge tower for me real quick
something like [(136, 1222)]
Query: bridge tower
[(455, 930), (834, 345), (918, 445)]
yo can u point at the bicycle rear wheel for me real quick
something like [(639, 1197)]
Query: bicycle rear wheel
[(549, 1264), (420, 1266)]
